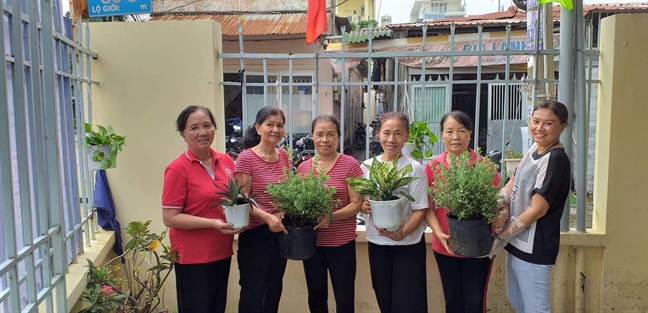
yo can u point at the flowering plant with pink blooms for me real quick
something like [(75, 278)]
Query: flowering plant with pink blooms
[(135, 286)]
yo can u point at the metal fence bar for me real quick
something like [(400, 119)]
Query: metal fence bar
[(343, 95), (377, 55), (290, 100), (55, 203), (7, 194), (369, 98), (396, 78), (315, 104), (478, 92), (581, 121), (80, 139), (94, 225), (243, 79), (391, 83), (38, 153), (506, 96), (22, 154)]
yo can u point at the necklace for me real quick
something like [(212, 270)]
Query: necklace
[(543, 152)]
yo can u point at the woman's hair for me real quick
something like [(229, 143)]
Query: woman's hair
[(393, 115), (326, 118), (251, 137), (460, 117), (181, 122), (557, 108)]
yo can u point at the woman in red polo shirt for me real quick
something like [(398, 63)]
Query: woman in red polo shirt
[(197, 230), (261, 267), (464, 280), (336, 253)]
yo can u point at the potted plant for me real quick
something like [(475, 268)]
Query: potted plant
[(382, 188), (145, 267), (303, 198), (236, 204), (465, 188), (103, 146), (420, 137), (511, 161)]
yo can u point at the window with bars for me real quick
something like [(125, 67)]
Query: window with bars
[(295, 101)]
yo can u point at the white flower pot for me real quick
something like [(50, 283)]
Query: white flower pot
[(510, 165), (387, 214), (95, 166), (407, 151), (237, 215)]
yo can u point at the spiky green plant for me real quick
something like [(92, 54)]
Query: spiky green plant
[(384, 179), (465, 188), (233, 194)]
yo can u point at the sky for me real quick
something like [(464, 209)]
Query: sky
[(400, 9)]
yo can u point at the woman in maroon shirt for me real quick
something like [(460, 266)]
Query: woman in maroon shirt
[(261, 267), (335, 252)]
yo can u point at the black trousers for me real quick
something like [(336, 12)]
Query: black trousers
[(398, 276), (202, 287), (465, 282), (340, 262), (261, 271)]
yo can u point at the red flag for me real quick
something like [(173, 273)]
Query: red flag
[(316, 22)]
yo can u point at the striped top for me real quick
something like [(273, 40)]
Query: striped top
[(263, 173), (342, 231)]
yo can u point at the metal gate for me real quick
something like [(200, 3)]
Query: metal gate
[(430, 103), (44, 86)]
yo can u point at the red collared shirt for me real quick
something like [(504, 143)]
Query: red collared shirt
[(189, 186)]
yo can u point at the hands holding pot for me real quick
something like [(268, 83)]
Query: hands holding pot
[(500, 220), (365, 208), (443, 239), (324, 222), (274, 222), (226, 228), (396, 235)]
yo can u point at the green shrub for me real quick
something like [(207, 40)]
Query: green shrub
[(302, 197), (465, 188)]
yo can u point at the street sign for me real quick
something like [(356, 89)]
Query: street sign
[(99, 8)]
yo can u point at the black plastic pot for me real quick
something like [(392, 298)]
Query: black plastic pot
[(470, 238), (298, 243)]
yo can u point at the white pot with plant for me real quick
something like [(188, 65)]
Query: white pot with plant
[(382, 189), (420, 138), (102, 147), (236, 204), (511, 161)]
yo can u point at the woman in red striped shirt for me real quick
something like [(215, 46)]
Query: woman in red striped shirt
[(337, 230)]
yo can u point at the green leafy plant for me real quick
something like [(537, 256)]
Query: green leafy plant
[(384, 179), (510, 154), (145, 271), (104, 136), (465, 188), (233, 194), (420, 137), (302, 197), (365, 24)]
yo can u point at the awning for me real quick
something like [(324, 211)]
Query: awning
[(253, 24)]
